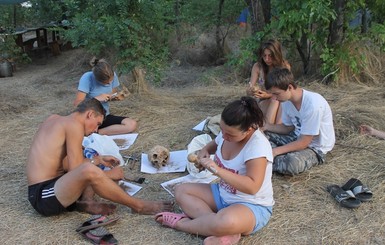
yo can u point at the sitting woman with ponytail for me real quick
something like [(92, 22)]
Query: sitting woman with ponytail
[(241, 203), (102, 83)]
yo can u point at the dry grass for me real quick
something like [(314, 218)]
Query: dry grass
[(369, 61), (304, 212)]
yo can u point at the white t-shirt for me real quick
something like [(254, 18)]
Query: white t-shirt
[(256, 147), (314, 118)]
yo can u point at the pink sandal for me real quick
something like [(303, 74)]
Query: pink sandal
[(170, 219)]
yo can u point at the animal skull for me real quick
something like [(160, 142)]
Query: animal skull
[(158, 156)]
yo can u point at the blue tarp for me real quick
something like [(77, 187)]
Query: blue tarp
[(242, 17), (12, 1)]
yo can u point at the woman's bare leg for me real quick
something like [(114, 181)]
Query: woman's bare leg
[(278, 119), (271, 111), (197, 201), (235, 219)]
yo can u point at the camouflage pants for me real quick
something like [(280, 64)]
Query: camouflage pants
[(296, 162)]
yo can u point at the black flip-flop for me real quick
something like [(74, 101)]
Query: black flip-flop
[(96, 221), (359, 190), (99, 235), (344, 198)]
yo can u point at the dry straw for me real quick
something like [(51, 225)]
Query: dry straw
[(369, 62), (304, 212)]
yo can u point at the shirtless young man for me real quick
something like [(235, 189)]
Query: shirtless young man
[(58, 174)]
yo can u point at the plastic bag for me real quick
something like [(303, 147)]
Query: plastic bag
[(196, 144), (103, 145), (212, 125)]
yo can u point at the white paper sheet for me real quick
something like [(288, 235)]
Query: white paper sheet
[(124, 141), (200, 126), (177, 163), (129, 188), (169, 186)]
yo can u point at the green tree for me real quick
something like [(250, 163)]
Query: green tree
[(135, 32), (47, 11), (321, 30), (212, 15), (377, 9), (14, 16), (303, 23), (260, 14)]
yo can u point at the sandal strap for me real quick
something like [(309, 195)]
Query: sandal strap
[(100, 231), (345, 195), (99, 235), (170, 219), (93, 218), (361, 189), (353, 182)]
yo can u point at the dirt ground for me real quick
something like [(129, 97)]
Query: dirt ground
[(304, 212)]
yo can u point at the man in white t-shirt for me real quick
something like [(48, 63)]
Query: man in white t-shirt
[(306, 133)]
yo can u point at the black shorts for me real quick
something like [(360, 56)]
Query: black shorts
[(111, 120), (43, 200)]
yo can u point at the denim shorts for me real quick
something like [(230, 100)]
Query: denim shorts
[(262, 214)]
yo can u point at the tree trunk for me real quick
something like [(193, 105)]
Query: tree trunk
[(364, 21), (266, 9), (303, 48), (218, 36), (139, 83), (14, 16), (336, 30), (256, 14), (177, 20)]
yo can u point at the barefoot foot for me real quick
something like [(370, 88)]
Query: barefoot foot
[(93, 207), (153, 207), (222, 240)]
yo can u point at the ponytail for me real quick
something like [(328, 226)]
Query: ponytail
[(243, 113)]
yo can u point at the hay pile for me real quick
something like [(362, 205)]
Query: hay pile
[(304, 212)]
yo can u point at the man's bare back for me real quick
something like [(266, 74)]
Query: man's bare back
[(48, 150)]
